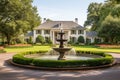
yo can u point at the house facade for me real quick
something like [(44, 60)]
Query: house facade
[(49, 29), (92, 37)]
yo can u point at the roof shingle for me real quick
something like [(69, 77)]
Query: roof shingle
[(56, 25)]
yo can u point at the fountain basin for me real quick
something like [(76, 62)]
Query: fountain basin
[(68, 57), (62, 52), (62, 49)]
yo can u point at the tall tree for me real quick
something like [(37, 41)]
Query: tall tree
[(93, 15), (114, 1), (107, 20), (97, 12), (110, 29), (17, 17)]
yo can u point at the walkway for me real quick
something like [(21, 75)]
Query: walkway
[(9, 72)]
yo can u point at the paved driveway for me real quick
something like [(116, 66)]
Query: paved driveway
[(9, 72)]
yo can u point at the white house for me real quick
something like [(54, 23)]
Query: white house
[(50, 29)]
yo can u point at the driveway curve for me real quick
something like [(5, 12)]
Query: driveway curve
[(9, 72)]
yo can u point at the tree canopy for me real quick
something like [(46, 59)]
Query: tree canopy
[(17, 17), (105, 19)]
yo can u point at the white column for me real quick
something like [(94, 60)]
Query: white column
[(76, 32), (77, 35), (85, 35), (53, 36), (34, 36), (42, 32), (69, 35)]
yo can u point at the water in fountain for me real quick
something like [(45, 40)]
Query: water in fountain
[(71, 52), (53, 55), (53, 52)]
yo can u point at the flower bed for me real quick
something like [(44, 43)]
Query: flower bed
[(21, 59), (18, 46), (109, 46)]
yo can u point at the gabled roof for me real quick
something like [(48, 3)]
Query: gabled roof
[(29, 33), (91, 34), (56, 25)]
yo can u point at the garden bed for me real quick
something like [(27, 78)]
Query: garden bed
[(18, 46), (109, 46)]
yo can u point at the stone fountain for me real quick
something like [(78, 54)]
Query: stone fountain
[(61, 48)]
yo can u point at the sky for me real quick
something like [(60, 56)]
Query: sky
[(64, 10)]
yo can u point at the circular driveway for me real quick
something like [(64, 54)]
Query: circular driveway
[(9, 72)]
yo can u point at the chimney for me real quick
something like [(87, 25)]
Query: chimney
[(44, 20), (76, 20)]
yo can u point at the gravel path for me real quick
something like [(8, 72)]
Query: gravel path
[(9, 72)]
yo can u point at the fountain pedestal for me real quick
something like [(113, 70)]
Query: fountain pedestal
[(61, 56)]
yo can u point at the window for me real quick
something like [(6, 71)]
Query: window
[(73, 39), (73, 31), (80, 32), (38, 31), (47, 32)]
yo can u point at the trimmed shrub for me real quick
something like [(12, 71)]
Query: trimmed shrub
[(48, 40), (81, 39), (30, 40), (88, 41), (20, 59), (40, 39), (71, 63), (106, 59), (19, 40)]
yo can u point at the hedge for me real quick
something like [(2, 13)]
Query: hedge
[(20, 59)]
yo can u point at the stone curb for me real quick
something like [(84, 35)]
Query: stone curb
[(59, 69)]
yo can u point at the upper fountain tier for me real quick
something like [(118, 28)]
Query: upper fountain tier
[(61, 33)]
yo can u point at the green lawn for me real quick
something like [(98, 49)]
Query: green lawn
[(33, 48), (36, 48), (93, 48)]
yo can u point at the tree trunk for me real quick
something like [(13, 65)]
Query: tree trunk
[(3, 42), (8, 39), (111, 40)]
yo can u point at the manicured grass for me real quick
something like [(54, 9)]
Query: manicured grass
[(84, 48), (24, 49), (93, 48)]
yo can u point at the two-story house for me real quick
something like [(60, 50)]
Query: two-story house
[(50, 29)]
